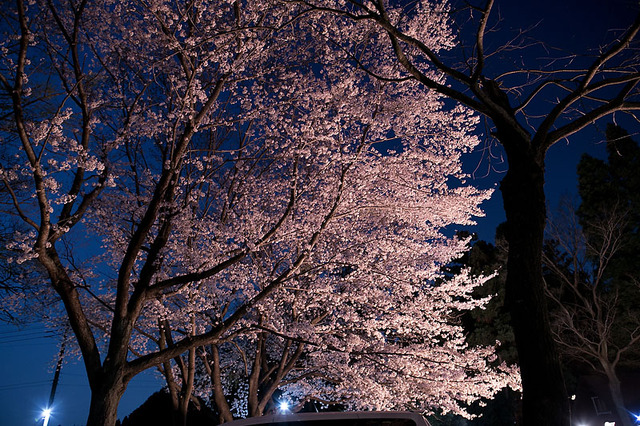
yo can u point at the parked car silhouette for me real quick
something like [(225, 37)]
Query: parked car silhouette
[(348, 418)]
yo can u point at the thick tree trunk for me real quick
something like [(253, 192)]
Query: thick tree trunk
[(544, 395), (105, 398), (616, 395), (108, 385)]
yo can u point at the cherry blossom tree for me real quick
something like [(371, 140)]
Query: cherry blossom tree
[(342, 343), (531, 97), (193, 173)]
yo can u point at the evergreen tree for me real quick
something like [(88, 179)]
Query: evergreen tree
[(591, 279), (612, 188), (486, 326), (614, 184), (491, 323)]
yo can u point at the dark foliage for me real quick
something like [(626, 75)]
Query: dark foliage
[(156, 411), (486, 326), (609, 188)]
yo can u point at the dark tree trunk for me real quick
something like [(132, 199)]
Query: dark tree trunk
[(544, 395), (109, 383), (616, 395), (180, 415), (105, 398)]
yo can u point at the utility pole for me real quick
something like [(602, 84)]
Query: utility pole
[(56, 377)]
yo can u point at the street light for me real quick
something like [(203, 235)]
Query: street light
[(46, 414), (283, 406)]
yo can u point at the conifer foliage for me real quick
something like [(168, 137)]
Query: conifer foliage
[(592, 279)]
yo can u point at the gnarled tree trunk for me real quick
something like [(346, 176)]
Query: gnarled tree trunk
[(524, 203), (616, 395), (105, 397)]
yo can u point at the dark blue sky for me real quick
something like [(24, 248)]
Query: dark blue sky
[(571, 26), (27, 360), (27, 356)]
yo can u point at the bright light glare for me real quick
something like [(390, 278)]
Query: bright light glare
[(637, 416), (46, 413), (609, 423), (284, 406)]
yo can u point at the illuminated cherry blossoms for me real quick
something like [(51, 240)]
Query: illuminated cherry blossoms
[(239, 179)]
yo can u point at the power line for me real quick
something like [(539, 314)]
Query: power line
[(24, 385), (39, 330), (26, 339), (27, 334)]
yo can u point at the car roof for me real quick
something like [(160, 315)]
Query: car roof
[(363, 418)]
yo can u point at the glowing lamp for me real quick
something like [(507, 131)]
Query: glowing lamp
[(283, 406), (46, 414)]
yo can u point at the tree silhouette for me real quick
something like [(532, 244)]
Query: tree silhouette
[(528, 105)]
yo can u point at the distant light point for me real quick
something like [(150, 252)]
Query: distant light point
[(46, 414), (283, 406)]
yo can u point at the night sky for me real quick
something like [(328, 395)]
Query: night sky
[(28, 356)]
